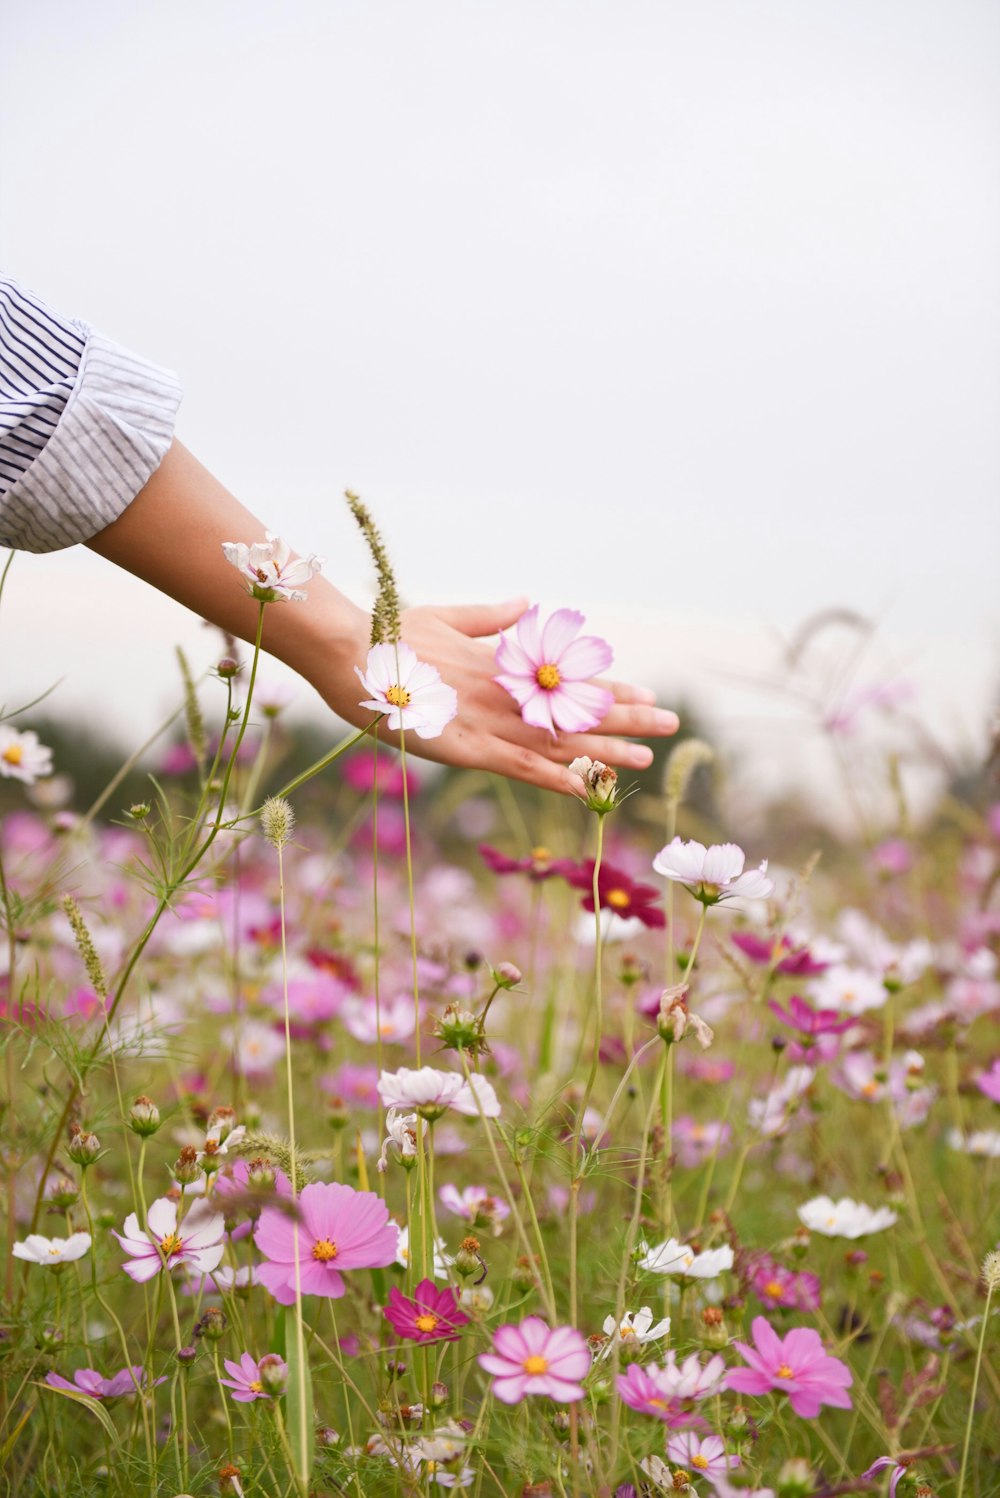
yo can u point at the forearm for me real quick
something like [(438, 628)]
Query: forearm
[(171, 535)]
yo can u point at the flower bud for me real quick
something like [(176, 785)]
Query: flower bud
[(211, 1325), (467, 1259), (260, 1175), (187, 1168), (395, 1368), (713, 1327), (795, 1479), (221, 1123), (327, 1436), (524, 1275), (506, 975), (62, 1192), (227, 668), (458, 1030), (186, 1356), (139, 811), (144, 1117), (50, 1339), (438, 1396), (83, 1148), (338, 1114), (273, 1373), (601, 783)]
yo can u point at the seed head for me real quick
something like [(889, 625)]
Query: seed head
[(277, 821)]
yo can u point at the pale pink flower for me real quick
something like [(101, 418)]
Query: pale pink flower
[(702, 1456), (195, 1242), (408, 691), (430, 1092), (548, 670), (394, 1020), (534, 1358), (273, 578), (52, 1251), (712, 874)]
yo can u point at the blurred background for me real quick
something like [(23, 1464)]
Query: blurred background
[(685, 314)]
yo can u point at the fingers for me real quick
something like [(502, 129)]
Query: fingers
[(624, 691), (637, 721), (479, 619)]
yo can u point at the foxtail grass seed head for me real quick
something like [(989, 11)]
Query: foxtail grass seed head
[(684, 760), (385, 611), (195, 723), (277, 821), (991, 1270), (144, 1117), (86, 948), (600, 781)]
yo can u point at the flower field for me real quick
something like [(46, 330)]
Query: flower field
[(387, 1134)]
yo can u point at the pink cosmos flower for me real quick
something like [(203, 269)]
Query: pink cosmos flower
[(431, 1092), (696, 1142), (786, 955), (266, 566), (660, 1388), (623, 896), (712, 874), (245, 1377), (534, 1358), (786, 1289), (538, 864), (407, 690), (431, 1315), (477, 1205), (642, 1389), (364, 769), (547, 671), (89, 1381), (340, 1229), (702, 1456), (197, 1241), (988, 1082), (796, 1365)]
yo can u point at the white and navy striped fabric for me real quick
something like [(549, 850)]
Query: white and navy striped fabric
[(83, 425)]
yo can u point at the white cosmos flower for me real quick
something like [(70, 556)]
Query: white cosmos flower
[(430, 1092), (712, 874), (272, 577), (634, 1329), (677, 1258), (982, 1142), (844, 1218), (408, 691), (442, 1261), (22, 757), (52, 1251)]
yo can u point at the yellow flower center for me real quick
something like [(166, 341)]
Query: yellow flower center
[(869, 1089), (548, 677), (658, 1404), (774, 1289), (535, 1364), (324, 1250), (13, 754), (541, 855), (699, 1461), (427, 1322), (619, 898), (171, 1244), (398, 696), (54, 1250), (626, 1331), (785, 1372), (256, 1387)]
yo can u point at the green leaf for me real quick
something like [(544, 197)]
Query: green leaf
[(89, 1403), (299, 1402)]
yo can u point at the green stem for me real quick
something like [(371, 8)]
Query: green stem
[(975, 1387)]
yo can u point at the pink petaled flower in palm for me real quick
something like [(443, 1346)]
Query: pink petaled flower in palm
[(340, 1229), (431, 1315), (796, 1365), (548, 670), (89, 1381), (534, 1358), (166, 1243)]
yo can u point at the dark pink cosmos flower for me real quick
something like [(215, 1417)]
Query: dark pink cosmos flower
[(245, 1377), (618, 892), (89, 1381), (988, 1082), (785, 957), (809, 1021), (534, 1358), (361, 770), (539, 863), (786, 1289), (340, 1229), (432, 1315), (548, 670), (796, 1365)]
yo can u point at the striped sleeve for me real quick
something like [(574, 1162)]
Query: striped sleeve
[(83, 425)]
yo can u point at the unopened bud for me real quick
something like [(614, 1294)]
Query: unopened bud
[(211, 1325), (186, 1169), (260, 1175), (395, 1367), (438, 1396), (139, 811), (467, 1259), (524, 1275), (506, 975), (338, 1114), (601, 783), (273, 1372), (221, 1123), (186, 1356), (83, 1148), (144, 1117), (227, 667), (795, 1479), (277, 821), (62, 1192)]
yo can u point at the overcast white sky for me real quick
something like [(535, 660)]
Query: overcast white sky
[(685, 313)]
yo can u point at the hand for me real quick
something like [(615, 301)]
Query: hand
[(488, 732)]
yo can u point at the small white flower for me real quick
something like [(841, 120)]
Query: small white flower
[(52, 1251), (712, 874), (22, 757), (676, 1258), (634, 1330), (442, 1261), (408, 691), (401, 1135), (844, 1218), (272, 577), (982, 1142)]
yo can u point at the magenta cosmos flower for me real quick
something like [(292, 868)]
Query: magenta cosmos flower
[(617, 892), (796, 1365), (431, 1315), (785, 956), (246, 1381), (340, 1229), (988, 1082), (89, 1381), (197, 1241), (534, 1358), (547, 670)]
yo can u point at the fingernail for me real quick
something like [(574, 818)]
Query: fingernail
[(640, 756), (663, 718), (645, 694)]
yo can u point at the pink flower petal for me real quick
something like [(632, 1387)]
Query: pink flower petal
[(586, 657), (560, 630)]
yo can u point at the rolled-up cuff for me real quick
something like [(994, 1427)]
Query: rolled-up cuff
[(112, 435)]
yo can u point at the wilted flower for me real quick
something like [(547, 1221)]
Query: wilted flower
[(600, 780), (547, 671), (410, 692), (534, 1358), (22, 757), (712, 874), (674, 1019), (270, 573)]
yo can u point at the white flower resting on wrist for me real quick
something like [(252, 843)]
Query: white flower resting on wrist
[(409, 692), (266, 566)]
